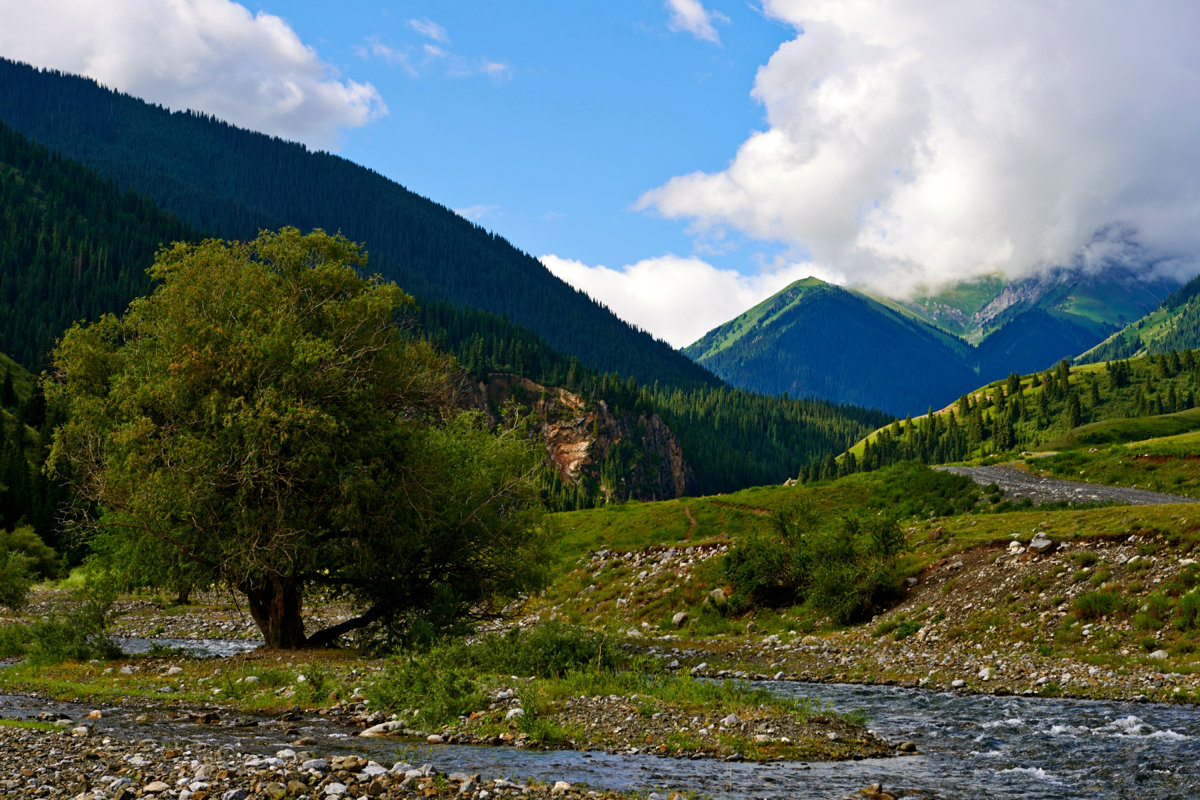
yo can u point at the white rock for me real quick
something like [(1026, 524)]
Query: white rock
[(384, 729)]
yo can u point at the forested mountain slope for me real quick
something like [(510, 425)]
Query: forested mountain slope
[(78, 247), (231, 183), (74, 246), (815, 339), (1174, 325)]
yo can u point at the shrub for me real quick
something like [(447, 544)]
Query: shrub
[(911, 489), (1153, 612), (44, 562), (16, 578), (847, 568), (1187, 616), (1103, 603), (78, 634), (13, 640), (547, 650), (439, 683)]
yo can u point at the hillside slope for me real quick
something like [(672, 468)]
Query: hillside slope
[(1174, 325), (232, 183)]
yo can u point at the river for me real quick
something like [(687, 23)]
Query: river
[(970, 746)]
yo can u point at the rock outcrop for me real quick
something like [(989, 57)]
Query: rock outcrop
[(620, 455)]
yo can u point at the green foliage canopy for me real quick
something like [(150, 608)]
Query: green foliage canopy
[(260, 420)]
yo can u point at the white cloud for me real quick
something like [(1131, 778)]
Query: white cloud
[(208, 55), (430, 30), (928, 141), (428, 57), (692, 17), (477, 212), (676, 299)]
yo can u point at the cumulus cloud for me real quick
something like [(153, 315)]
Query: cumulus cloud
[(676, 299), (919, 143), (207, 55), (692, 17)]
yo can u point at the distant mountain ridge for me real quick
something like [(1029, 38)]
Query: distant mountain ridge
[(818, 340), (814, 339)]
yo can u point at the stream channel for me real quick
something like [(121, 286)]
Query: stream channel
[(970, 746)]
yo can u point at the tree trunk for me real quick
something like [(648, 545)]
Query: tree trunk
[(275, 604)]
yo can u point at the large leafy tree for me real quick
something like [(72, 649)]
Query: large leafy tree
[(261, 420)]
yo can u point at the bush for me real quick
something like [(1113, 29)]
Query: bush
[(439, 683), (910, 489), (1094, 605), (847, 568), (77, 635), (1153, 612), (16, 579), (547, 650), (44, 563), (14, 640), (1187, 616)]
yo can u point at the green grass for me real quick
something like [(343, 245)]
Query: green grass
[(1168, 464), (29, 724)]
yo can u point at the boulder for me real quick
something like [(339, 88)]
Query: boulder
[(384, 729), (680, 619), (1042, 544)]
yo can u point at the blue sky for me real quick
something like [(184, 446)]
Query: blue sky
[(581, 115), (681, 160)]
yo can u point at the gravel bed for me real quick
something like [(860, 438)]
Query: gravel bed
[(1018, 484)]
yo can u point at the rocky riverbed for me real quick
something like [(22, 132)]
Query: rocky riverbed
[(80, 763)]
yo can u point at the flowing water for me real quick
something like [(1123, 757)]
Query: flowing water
[(970, 746), (196, 648)]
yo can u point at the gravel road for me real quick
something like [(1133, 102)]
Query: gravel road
[(1018, 484)]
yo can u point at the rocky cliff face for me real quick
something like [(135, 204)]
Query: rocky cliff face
[(621, 455)]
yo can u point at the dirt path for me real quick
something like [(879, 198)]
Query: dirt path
[(1018, 484), (692, 524)]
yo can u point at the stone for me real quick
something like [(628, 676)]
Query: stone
[(1159, 655), (560, 787), (273, 790), (154, 787), (514, 713), (957, 683), (907, 747), (987, 673), (700, 668), (731, 720), (315, 764), (1042, 544), (235, 794), (333, 789), (434, 738), (680, 619), (716, 597), (812, 641), (172, 671)]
